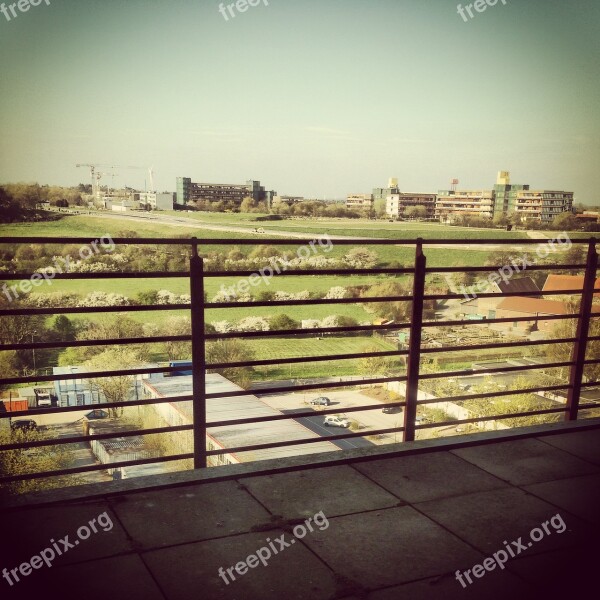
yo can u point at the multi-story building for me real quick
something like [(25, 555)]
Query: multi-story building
[(505, 194), (505, 198), (451, 203), (383, 193), (188, 191), (360, 202), (397, 204), (154, 200), (542, 205)]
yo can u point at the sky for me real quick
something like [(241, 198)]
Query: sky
[(318, 98)]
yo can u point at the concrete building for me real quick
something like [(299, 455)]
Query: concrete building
[(451, 203), (360, 202), (154, 200), (398, 204), (542, 205), (230, 408), (188, 191)]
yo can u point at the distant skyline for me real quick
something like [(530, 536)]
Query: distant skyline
[(317, 98)]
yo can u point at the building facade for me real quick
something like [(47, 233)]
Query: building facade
[(360, 202), (188, 191), (451, 203), (398, 204)]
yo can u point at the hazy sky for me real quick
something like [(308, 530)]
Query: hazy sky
[(311, 97)]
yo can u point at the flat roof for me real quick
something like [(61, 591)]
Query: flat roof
[(239, 407)]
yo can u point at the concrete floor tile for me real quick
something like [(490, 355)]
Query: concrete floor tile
[(191, 570), (334, 490), (523, 462), (428, 476), (579, 496), (184, 514), (487, 519), (494, 585), (28, 532), (390, 546), (116, 577), (585, 444)]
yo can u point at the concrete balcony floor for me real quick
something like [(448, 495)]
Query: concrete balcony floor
[(398, 526)]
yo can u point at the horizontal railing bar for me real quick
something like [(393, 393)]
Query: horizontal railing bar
[(486, 395), (265, 446), (464, 373), (100, 406), (502, 320), (105, 342), (96, 436), (476, 294), (301, 332), (91, 468), (267, 303), (100, 275), (498, 346), (287, 416), (91, 375), (253, 239), (16, 276), (308, 272), (62, 310), (305, 359), (544, 411), (308, 386), (493, 269), (329, 438), (590, 405)]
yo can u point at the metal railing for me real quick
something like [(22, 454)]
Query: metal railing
[(197, 275)]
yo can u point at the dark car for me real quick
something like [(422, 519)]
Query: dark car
[(390, 410), (97, 414), (23, 425), (321, 401)]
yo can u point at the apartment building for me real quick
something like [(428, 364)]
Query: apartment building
[(542, 205), (360, 202), (188, 191), (400, 203), (451, 203)]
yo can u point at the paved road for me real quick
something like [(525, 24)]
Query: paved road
[(195, 224), (315, 424)]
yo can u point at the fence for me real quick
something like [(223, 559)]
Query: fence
[(197, 275)]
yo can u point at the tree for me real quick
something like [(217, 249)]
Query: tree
[(361, 258), (64, 328), (227, 351), (283, 322), (393, 310), (117, 388), (36, 460), (178, 326), (373, 365)]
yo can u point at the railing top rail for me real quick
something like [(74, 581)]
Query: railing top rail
[(254, 238)]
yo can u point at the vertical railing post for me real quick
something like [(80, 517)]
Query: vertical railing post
[(198, 356), (414, 347), (582, 333)]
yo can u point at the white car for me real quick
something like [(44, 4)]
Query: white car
[(336, 421)]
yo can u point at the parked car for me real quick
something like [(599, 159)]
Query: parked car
[(23, 425), (390, 410), (336, 421), (321, 401), (97, 414)]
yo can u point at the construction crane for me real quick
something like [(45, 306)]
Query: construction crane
[(95, 179)]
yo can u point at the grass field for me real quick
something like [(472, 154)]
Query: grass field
[(289, 348)]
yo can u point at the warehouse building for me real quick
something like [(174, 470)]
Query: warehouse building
[(231, 408)]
